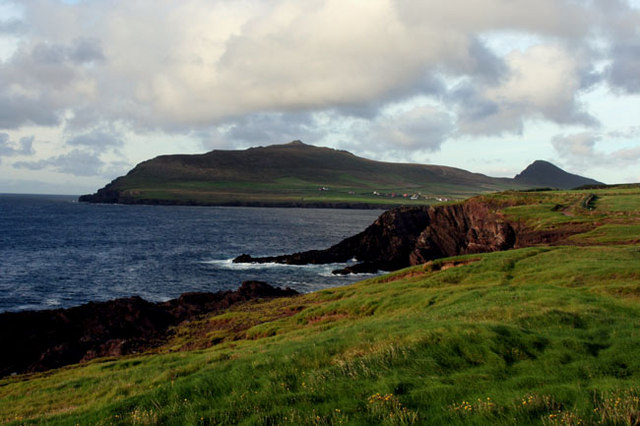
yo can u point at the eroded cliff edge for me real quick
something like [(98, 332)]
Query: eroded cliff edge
[(409, 236)]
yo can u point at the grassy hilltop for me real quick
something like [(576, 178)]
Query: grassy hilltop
[(541, 335), (293, 174)]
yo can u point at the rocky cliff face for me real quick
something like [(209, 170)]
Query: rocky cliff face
[(109, 195), (42, 340), (462, 229), (410, 236)]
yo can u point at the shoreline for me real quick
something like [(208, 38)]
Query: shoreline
[(52, 338), (265, 204)]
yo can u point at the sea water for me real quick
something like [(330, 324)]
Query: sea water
[(56, 252)]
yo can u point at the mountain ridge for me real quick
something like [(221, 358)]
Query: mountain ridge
[(294, 175)]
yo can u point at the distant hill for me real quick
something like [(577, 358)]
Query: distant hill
[(293, 174), (301, 175), (545, 174)]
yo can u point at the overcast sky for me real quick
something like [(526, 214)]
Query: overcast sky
[(89, 88)]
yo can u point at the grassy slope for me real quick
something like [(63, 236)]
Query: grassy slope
[(293, 173), (546, 335)]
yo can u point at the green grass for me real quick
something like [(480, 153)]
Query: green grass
[(624, 199), (611, 233), (543, 335)]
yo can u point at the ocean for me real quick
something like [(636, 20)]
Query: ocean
[(58, 253)]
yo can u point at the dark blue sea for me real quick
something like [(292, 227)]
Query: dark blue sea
[(56, 252)]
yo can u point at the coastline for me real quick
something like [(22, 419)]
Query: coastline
[(52, 338), (265, 204)]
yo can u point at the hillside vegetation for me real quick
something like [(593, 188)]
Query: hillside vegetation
[(293, 174), (541, 335)]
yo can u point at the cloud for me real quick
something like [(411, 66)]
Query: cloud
[(579, 145), (196, 63), (97, 140), (17, 110), (420, 128), (9, 148), (84, 158), (79, 51), (631, 132), (624, 71), (269, 128), (44, 80), (395, 133), (581, 149), (77, 162), (11, 27), (541, 82)]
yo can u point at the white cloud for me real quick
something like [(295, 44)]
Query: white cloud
[(197, 62), (632, 132), (580, 145), (77, 162), (585, 149), (9, 148), (420, 128), (541, 82), (97, 140), (624, 71)]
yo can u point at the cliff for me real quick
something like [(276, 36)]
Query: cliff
[(408, 236)]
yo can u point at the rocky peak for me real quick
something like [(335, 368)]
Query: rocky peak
[(544, 174)]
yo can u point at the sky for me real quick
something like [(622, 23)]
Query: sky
[(90, 88)]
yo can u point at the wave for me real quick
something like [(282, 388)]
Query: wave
[(324, 269), (51, 301)]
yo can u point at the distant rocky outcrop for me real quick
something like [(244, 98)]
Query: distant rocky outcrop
[(41, 340), (408, 236), (544, 174)]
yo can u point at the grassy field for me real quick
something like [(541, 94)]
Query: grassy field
[(301, 192), (542, 335)]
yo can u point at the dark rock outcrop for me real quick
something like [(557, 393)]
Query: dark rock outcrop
[(109, 195), (408, 236), (41, 340), (189, 305)]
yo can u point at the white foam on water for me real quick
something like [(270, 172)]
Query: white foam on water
[(229, 264), (323, 270), (50, 301), (28, 307)]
